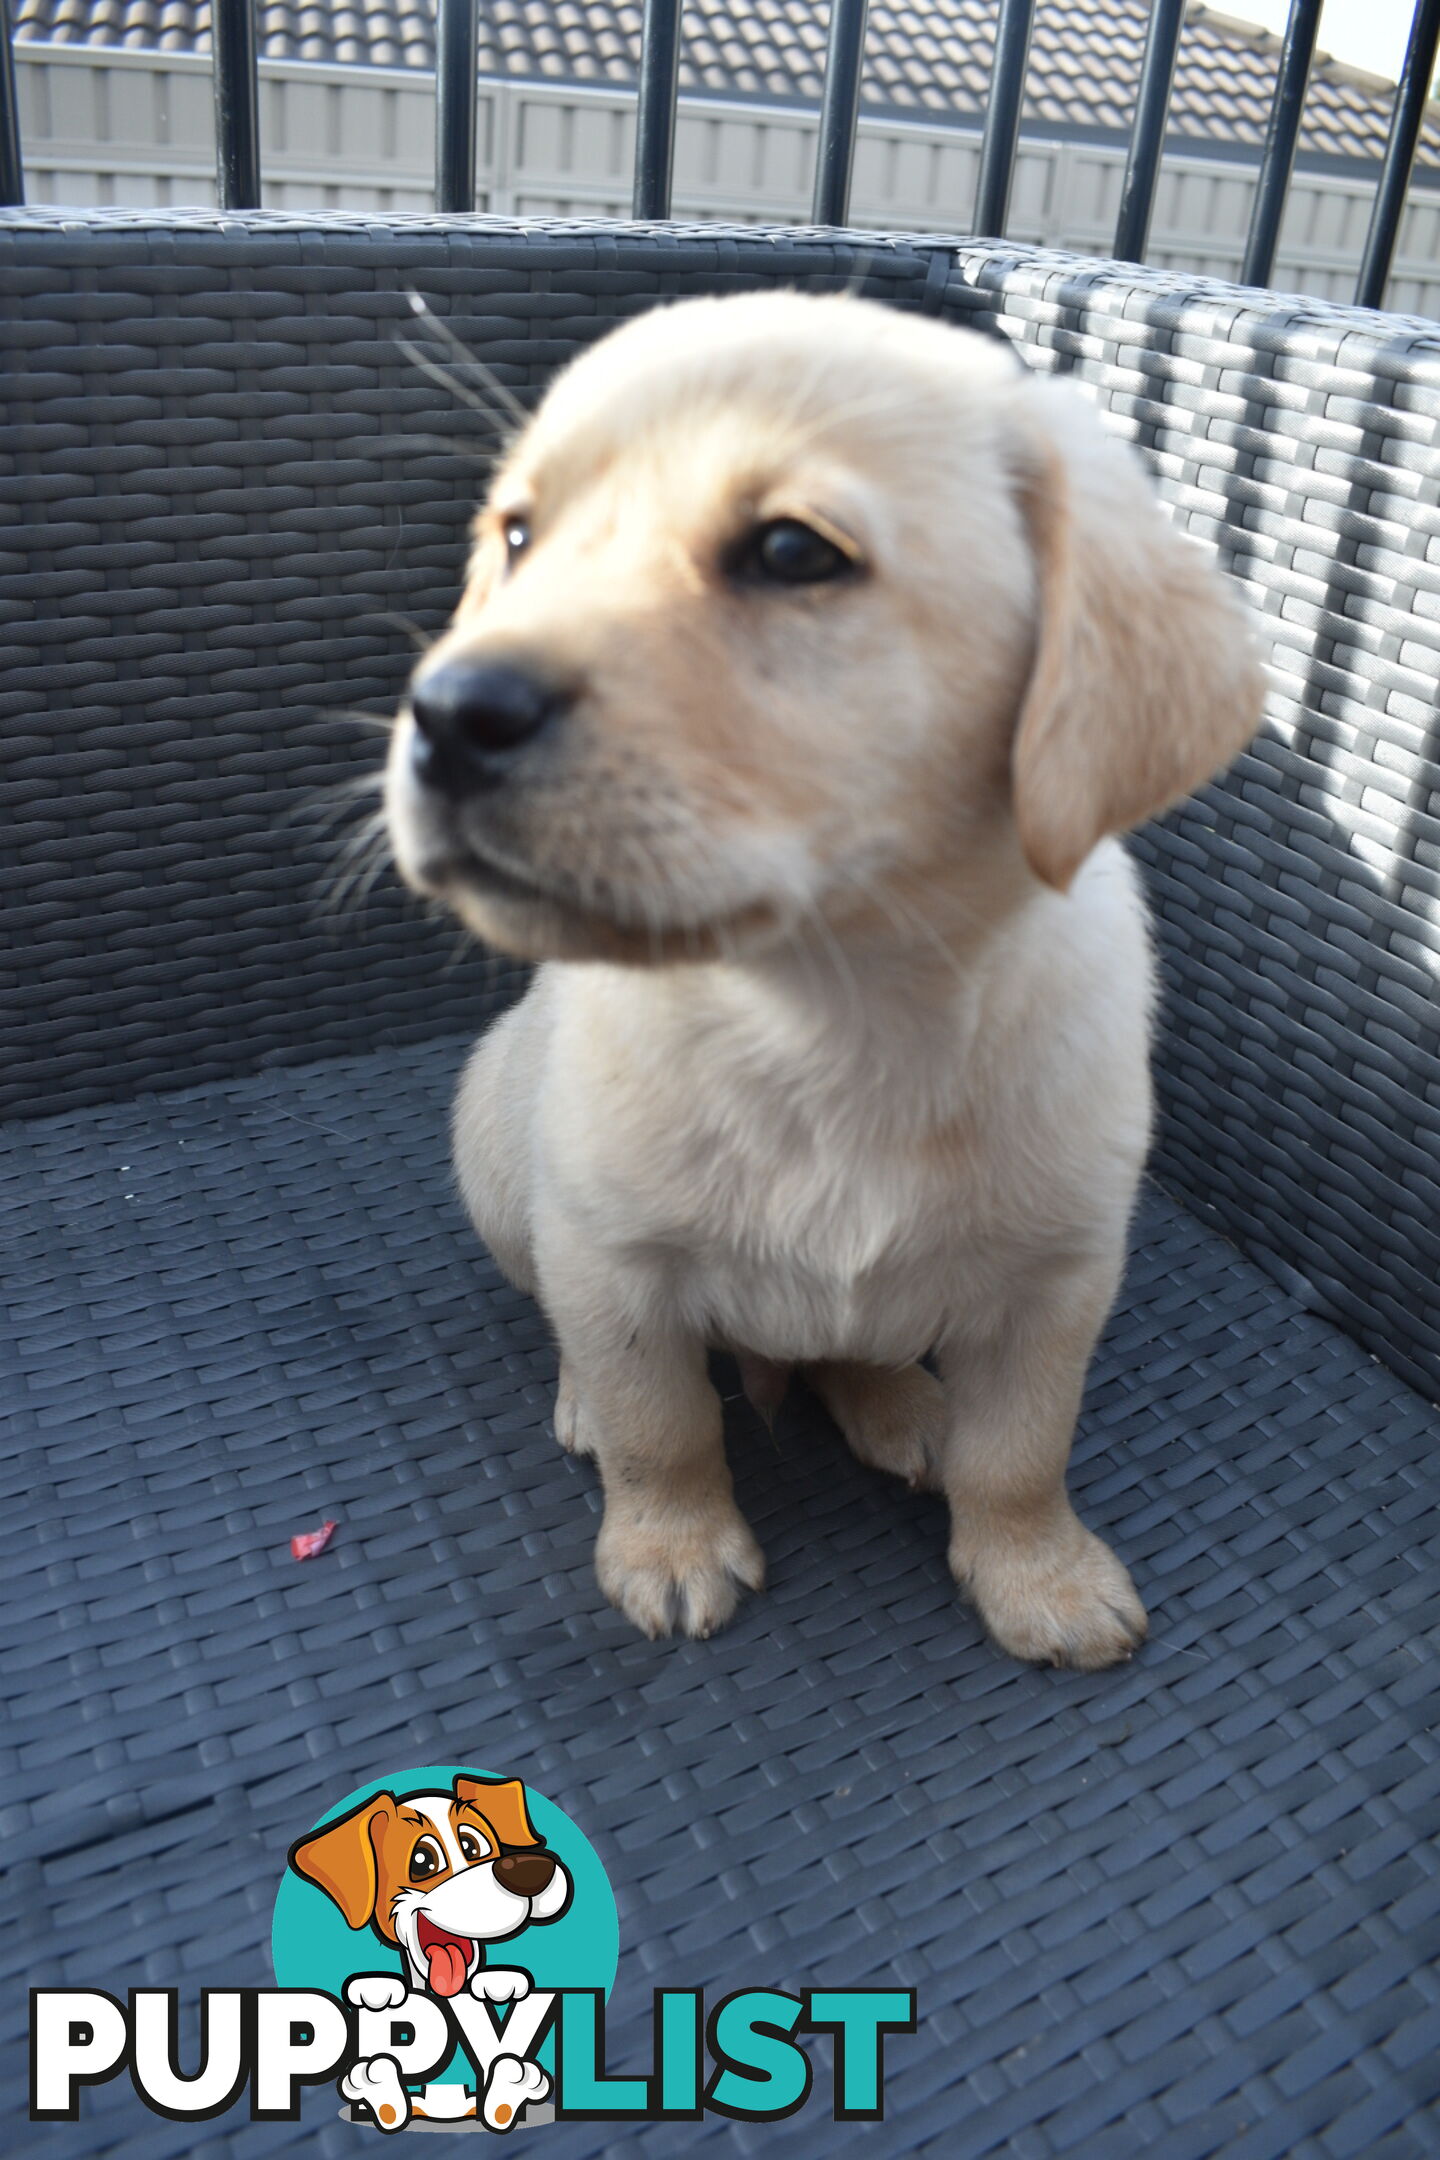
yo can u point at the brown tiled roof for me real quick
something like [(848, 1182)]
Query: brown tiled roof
[(920, 59)]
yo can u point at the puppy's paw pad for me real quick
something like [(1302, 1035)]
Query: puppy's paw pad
[(512, 2084), (501, 1984), (376, 1991), (1068, 1603), (688, 1583), (376, 2085)]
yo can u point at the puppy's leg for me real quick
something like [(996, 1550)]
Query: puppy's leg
[(1046, 1589), (674, 1552), (894, 1420), (491, 1137)]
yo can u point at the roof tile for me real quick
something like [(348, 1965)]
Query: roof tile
[(1084, 59)]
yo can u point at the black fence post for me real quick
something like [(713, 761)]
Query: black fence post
[(1281, 135), (12, 172), (655, 109), (237, 104), (1405, 124), (1147, 137), (457, 94), (839, 111), (1002, 118)]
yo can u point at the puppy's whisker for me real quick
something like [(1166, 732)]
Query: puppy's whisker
[(379, 863), (503, 395), (449, 381), (381, 723), (421, 639), (330, 804), (350, 892), (360, 861), (462, 446)]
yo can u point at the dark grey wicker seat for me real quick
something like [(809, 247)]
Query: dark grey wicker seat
[(1188, 1908)]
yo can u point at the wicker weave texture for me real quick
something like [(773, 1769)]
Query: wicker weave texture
[(239, 504), (233, 484), (1298, 899), (1190, 1907)]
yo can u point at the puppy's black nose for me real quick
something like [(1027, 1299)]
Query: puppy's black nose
[(526, 1873), (471, 717)]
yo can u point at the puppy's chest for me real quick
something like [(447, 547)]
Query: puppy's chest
[(801, 1206), (798, 1249)]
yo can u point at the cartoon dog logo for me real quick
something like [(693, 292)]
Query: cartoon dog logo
[(440, 1876)]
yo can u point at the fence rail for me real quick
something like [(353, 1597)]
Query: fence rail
[(1001, 139), (1410, 96), (1277, 160), (457, 48), (657, 98), (237, 105), (840, 111), (456, 124), (12, 177), (1147, 135)]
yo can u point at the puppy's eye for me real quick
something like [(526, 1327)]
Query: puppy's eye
[(473, 1846), (785, 552), (426, 1860), (516, 530)]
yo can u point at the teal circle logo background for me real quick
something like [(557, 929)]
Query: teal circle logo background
[(312, 1946)]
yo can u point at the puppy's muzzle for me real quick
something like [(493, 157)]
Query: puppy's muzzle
[(472, 721), (526, 1873)]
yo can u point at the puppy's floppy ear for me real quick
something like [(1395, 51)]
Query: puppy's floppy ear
[(1144, 681), (502, 1803), (340, 1859)]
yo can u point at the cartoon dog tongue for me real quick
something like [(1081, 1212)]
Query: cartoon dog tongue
[(448, 1957)]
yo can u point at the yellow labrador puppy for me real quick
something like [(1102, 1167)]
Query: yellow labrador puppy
[(809, 655)]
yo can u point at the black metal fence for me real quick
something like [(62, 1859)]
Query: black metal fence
[(456, 48)]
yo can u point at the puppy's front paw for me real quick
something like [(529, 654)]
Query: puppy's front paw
[(684, 1579), (1060, 1600), (512, 2084), (376, 1991), (376, 2085), (500, 1984)]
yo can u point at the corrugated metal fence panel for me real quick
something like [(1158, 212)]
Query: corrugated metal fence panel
[(131, 128), (138, 129)]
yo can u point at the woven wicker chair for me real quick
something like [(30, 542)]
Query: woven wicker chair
[(1184, 1908)]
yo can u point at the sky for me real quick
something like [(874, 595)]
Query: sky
[(1368, 33)]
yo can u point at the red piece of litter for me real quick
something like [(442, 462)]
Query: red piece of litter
[(309, 1542)]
